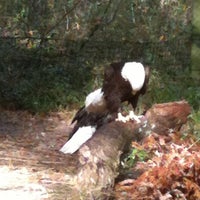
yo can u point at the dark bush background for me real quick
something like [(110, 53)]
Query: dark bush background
[(52, 53)]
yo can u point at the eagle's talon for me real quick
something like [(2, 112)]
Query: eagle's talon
[(132, 116), (129, 117), (121, 118)]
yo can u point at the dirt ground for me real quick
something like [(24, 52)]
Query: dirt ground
[(31, 166)]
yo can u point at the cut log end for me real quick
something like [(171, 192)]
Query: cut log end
[(168, 116)]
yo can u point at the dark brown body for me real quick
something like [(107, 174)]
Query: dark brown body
[(117, 90)]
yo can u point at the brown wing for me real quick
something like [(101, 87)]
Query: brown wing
[(79, 114), (116, 89)]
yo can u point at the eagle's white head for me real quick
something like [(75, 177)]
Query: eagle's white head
[(134, 73)]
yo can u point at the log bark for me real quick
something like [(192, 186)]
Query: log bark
[(99, 158)]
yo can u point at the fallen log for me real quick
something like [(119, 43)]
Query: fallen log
[(99, 158)]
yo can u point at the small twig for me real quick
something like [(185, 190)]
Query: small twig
[(62, 18), (193, 144)]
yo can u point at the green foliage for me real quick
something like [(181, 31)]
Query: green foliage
[(172, 85), (134, 156), (52, 53), (195, 122), (39, 83)]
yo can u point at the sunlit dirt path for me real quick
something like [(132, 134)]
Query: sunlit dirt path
[(31, 167)]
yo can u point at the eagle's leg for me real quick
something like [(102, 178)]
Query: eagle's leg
[(132, 115), (113, 104), (119, 116)]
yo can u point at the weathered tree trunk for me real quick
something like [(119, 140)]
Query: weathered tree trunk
[(99, 157)]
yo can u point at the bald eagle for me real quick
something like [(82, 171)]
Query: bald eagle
[(124, 81)]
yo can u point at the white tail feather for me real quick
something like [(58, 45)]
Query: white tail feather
[(79, 138), (95, 102), (95, 97)]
